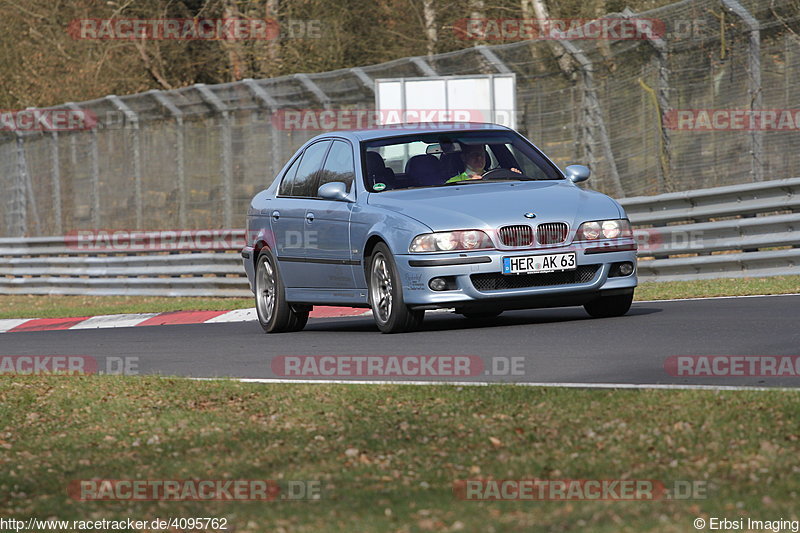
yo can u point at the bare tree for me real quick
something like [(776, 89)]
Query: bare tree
[(431, 34), (230, 45), (273, 45), (543, 14), (477, 8)]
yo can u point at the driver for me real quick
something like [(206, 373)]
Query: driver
[(474, 157)]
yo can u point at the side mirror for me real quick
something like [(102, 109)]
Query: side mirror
[(577, 173), (335, 190)]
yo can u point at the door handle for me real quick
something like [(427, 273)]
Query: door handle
[(310, 217), (276, 215)]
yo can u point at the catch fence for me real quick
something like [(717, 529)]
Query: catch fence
[(635, 111)]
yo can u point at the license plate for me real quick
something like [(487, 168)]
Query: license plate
[(537, 264)]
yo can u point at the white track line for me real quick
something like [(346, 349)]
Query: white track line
[(9, 323), (237, 315), (715, 298), (113, 321), (665, 386), (248, 315)]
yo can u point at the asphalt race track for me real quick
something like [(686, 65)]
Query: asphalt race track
[(544, 346)]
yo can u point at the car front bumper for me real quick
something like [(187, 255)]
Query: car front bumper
[(475, 279)]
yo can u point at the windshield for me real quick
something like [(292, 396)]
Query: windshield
[(444, 159)]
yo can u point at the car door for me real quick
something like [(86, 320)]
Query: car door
[(288, 216), (328, 224)]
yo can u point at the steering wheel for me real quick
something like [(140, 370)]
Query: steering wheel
[(495, 173)]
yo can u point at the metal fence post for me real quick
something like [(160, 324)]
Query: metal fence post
[(95, 212), (315, 89), (662, 104), (593, 117), (492, 58), (18, 223), (261, 94), (753, 86), (95, 169), (226, 149), (362, 76), (177, 114), (424, 67), (55, 180), (137, 160)]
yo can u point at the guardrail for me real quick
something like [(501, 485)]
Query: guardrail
[(72, 265), (748, 230), (736, 231)]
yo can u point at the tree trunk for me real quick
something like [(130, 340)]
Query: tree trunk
[(431, 35), (476, 9), (563, 58), (273, 45), (231, 46)]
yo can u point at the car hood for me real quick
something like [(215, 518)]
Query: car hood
[(491, 205)]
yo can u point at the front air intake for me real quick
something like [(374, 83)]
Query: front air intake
[(552, 233), (516, 236)]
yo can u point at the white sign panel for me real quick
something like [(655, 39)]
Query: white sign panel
[(487, 98)]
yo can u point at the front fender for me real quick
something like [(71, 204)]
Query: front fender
[(371, 224)]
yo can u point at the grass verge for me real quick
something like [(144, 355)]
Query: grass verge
[(55, 306), (28, 306), (718, 287), (387, 456)]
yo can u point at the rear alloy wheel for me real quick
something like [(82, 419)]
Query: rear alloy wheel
[(609, 306), (391, 314), (274, 314)]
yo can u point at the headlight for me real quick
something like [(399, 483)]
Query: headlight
[(604, 229), (449, 241)]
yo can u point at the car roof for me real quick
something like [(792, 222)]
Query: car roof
[(399, 130)]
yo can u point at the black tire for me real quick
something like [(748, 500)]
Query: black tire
[(476, 315), (391, 313), (275, 314), (609, 306)]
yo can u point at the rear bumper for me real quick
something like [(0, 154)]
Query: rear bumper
[(476, 281)]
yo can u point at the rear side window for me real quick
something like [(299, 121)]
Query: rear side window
[(301, 182), (339, 165)]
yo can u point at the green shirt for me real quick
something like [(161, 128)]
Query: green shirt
[(461, 177)]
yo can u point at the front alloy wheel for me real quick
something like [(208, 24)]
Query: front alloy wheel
[(381, 288), (391, 314)]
